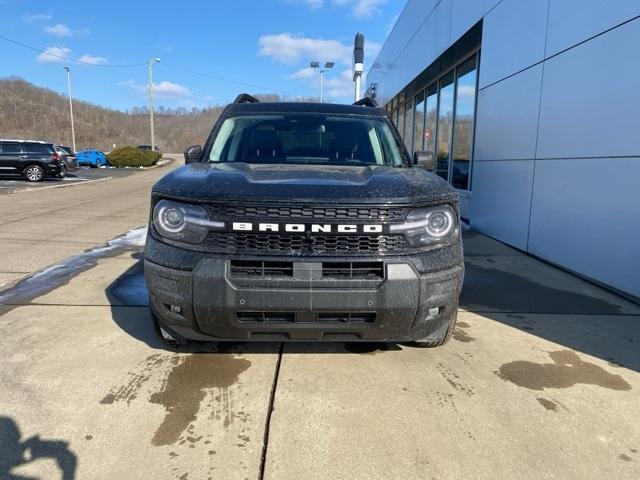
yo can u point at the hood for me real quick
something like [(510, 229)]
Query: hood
[(304, 183)]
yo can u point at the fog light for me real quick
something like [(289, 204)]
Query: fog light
[(433, 311), (175, 309)]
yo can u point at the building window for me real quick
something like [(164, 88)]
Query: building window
[(440, 119), (431, 119), (408, 126), (400, 120), (418, 124), (463, 124), (445, 122)]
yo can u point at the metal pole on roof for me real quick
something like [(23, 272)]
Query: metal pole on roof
[(73, 131), (358, 63), (151, 63)]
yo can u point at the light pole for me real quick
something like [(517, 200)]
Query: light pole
[(327, 66), (151, 63), (73, 132)]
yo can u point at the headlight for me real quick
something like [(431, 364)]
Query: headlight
[(426, 226), (182, 222)]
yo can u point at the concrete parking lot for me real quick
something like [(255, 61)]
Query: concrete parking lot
[(541, 379)]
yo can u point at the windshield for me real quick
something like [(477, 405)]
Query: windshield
[(309, 139)]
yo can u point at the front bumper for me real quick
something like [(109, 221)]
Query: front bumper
[(208, 303)]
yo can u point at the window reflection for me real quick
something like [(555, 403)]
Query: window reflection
[(445, 120), (408, 126), (431, 118), (418, 124), (433, 126), (463, 126)]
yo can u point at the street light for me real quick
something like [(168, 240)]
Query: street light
[(73, 132), (327, 66), (151, 63)]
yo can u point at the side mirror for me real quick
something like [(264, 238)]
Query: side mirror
[(424, 160), (192, 154)]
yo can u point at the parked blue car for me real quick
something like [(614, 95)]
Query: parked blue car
[(93, 158)]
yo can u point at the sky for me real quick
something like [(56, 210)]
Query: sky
[(265, 43)]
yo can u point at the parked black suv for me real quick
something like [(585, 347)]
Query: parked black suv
[(31, 159), (68, 157), (304, 221)]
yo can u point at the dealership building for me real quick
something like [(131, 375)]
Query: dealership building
[(532, 110)]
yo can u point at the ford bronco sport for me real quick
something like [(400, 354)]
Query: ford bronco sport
[(304, 222)]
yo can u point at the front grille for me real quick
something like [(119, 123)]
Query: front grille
[(248, 268), (288, 244), (315, 213), (306, 317), (359, 270), (330, 270)]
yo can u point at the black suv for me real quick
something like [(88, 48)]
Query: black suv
[(304, 221), (32, 159)]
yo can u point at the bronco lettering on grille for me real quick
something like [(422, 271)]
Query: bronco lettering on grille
[(302, 228)]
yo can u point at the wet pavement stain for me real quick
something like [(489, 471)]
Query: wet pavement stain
[(460, 333), (186, 387), (130, 389), (454, 380), (625, 457), (567, 370), (548, 404)]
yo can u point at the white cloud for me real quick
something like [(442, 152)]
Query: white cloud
[(289, 48), (163, 89), (59, 30), (362, 8), (54, 55), (93, 60), (37, 18)]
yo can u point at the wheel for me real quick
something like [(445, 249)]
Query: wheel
[(171, 339), (440, 336), (63, 171), (34, 173)]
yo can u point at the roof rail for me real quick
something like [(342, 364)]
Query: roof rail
[(246, 98), (366, 102)]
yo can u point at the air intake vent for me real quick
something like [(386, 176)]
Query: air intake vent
[(346, 317), (266, 317), (250, 268), (360, 270)]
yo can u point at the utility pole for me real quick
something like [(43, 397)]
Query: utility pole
[(151, 63), (73, 132), (327, 66), (358, 63)]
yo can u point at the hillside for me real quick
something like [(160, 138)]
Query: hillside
[(31, 112)]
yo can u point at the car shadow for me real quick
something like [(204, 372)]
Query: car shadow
[(15, 452), (129, 301)]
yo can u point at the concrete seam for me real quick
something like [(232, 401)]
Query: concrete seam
[(267, 426)]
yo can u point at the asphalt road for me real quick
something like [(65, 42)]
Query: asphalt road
[(540, 380), (42, 224)]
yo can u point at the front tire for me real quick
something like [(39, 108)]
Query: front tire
[(33, 173), (63, 172), (440, 336)]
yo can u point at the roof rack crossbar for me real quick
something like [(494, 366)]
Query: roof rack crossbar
[(366, 102), (246, 98)]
